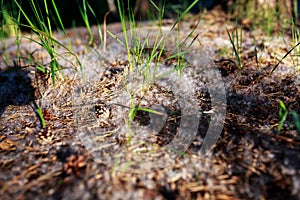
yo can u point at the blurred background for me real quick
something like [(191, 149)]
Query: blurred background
[(70, 14), (70, 11)]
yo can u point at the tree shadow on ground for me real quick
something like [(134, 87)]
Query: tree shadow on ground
[(15, 88)]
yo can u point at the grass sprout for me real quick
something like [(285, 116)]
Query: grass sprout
[(236, 40), (256, 56), (296, 121), (39, 112), (282, 114)]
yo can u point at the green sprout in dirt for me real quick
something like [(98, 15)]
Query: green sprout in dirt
[(39, 112), (282, 114), (43, 30), (236, 40), (133, 109), (256, 56), (296, 121)]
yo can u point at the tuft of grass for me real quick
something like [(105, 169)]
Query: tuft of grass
[(42, 28), (144, 58), (44, 33), (236, 40)]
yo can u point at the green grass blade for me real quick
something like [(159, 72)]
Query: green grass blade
[(296, 121), (58, 17), (24, 14), (48, 19), (150, 111), (184, 13), (275, 67), (282, 113), (98, 23), (83, 12), (234, 46), (115, 38), (39, 112), (124, 29)]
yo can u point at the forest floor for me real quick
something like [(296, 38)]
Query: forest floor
[(250, 160)]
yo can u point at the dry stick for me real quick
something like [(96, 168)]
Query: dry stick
[(280, 137)]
